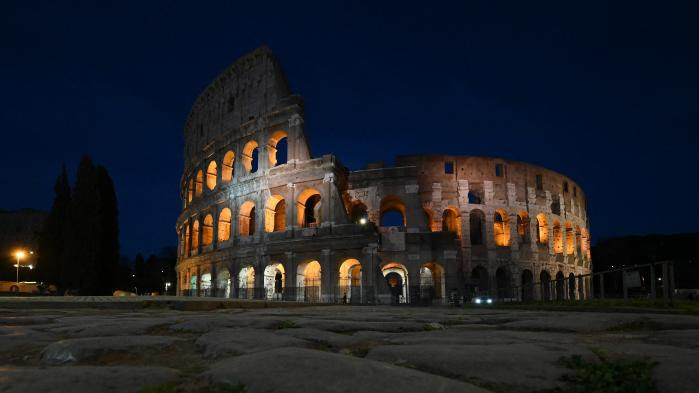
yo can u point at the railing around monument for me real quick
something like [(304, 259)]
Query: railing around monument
[(648, 281)]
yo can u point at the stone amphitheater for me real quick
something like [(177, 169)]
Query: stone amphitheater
[(262, 218)]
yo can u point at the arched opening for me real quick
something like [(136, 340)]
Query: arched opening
[(560, 291), (308, 276), (224, 225), (451, 221), (523, 227), (250, 157), (223, 283), (501, 228), (570, 239), (205, 285), (503, 283), (275, 277), (396, 276), (190, 190), (195, 236), (350, 282), (207, 236), (480, 281), (211, 175), (246, 219), (571, 286), (476, 219), (542, 234), (474, 198), (193, 285), (198, 185), (246, 283), (557, 238), (358, 213), (527, 285), (277, 148), (308, 208), (578, 241), (432, 282), (545, 280), (187, 239), (275, 214), (392, 212), (227, 170)]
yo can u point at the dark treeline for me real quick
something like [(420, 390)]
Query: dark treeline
[(79, 244), (145, 276)]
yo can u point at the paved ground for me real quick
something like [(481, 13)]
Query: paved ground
[(327, 349)]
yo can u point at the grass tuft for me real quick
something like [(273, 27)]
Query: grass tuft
[(608, 376)]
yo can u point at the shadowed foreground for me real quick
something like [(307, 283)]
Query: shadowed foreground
[(337, 349)]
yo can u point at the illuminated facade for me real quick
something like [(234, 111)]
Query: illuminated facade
[(264, 219)]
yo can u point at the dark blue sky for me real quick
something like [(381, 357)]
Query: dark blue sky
[(607, 94)]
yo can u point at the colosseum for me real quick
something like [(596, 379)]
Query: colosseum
[(263, 218)]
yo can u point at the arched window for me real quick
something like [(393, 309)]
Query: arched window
[(523, 227), (480, 281), (227, 170), (358, 211), (503, 283), (570, 239), (542, 234), (350, 281), (474, 198), (476, 219), (275, 214), (501, 226), (199, 183), (250, 157), (211, 175), (308, 281), (224, 225), (277, 149), (195, 235), (247, 219), (451, 221), (578, 240), (557, 238), (207, 236), (392, 212), (308, 208), (190, 190), (187, 239)]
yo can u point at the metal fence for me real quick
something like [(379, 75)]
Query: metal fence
[(648, 281)]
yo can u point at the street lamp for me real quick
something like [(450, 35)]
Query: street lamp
[(19, 254)]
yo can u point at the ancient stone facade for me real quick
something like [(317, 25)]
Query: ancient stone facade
[(264, 219)]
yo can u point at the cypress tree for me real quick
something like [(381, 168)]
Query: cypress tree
[(79, 257), (51, 242), (107, 262)]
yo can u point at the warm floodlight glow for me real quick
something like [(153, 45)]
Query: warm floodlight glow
[(20, 254)]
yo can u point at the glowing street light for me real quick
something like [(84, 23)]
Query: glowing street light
[(362, 220), (20, 254)]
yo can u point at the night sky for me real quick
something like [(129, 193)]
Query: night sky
[(606, 94)]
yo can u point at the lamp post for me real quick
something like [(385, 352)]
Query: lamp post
[(19, 254)]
